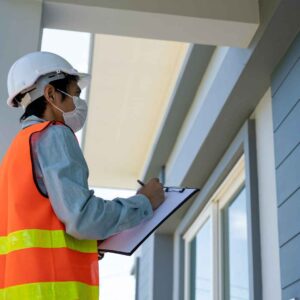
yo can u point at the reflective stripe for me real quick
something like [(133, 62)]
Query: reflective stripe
[(44, 239), (48, 265), (69, 290)]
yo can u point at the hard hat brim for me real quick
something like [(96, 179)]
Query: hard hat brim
[(83, 82)]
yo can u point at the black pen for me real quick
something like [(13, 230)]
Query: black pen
[(141, 182)]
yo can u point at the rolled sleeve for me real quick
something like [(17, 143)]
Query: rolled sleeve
[(65, 175)]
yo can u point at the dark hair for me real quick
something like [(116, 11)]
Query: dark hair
[(38, 106)]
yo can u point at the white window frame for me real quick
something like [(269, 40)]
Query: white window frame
[(213, 210)]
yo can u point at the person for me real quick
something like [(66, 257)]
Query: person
[(50, 220)]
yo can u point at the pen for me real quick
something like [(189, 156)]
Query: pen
[(141, 182)]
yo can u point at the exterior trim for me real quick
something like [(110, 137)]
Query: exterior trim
[(245, 143), (251, 182)]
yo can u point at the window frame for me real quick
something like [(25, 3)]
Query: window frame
[(207, 214), (243, 144), (229, 188)]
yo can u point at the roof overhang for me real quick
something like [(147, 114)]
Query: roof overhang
[(210, 22), (132, 86)]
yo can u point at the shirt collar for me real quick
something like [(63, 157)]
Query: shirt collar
[(30, 120)]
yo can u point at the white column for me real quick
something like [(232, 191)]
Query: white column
[(267, 199), (20, 32)]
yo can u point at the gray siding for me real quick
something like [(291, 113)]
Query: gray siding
[(286, 119)]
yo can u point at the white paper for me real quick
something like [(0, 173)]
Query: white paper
[(127, 241)]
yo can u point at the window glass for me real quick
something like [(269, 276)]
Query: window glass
[(236, 278), (201, 264)]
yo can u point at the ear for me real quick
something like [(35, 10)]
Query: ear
[(49, 93)]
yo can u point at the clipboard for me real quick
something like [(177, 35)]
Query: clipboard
[(127, 241)]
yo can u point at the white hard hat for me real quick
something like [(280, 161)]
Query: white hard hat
[(30, 73)]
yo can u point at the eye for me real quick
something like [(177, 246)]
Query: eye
[(78, 92)]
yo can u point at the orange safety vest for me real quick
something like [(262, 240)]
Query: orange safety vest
[(38, 259)]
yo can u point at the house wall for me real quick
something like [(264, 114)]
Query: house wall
[(20, 31), (239, 89), (286, 120), (268, 218)]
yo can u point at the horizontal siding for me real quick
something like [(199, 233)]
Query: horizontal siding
[(287, 96), (288, 218), (285, 66), (287, 137), (288, 176), (286, 123), (290, 291), (290, 262)]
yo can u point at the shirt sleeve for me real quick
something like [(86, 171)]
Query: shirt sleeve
[(65, 175)]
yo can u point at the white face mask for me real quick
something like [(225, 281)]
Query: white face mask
[(75, 118)]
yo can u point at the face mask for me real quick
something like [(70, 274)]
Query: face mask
[(75, 118)]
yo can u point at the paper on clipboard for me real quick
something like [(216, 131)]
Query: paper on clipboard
[(127, 241)]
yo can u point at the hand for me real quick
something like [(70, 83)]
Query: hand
[(153, 190)]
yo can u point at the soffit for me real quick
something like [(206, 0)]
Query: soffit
[(132, 80)]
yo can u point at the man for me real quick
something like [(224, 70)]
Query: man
[(50, 220)]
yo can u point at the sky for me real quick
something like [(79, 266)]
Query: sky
[(115, 280), (73, 46)]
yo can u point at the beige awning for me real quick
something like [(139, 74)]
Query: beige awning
[(132, 80)]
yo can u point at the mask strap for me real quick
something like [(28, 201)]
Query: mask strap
[(65, 93), (55, 106)]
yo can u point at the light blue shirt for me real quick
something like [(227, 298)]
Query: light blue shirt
[(61, 174)]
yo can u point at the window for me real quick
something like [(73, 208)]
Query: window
[(200, 249), (216, 244), (235, 248)]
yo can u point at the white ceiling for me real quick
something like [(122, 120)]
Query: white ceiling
[(132, 80)]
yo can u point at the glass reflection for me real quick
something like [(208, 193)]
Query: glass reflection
[(201, 264), (237, 249)]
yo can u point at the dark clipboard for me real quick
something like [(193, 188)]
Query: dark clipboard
[(127, 241)]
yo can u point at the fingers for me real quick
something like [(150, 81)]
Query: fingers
[(154, 179)]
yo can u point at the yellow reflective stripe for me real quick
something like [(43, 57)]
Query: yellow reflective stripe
[(37, 238), (69, 290)]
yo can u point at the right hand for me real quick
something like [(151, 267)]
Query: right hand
[(153, 190)]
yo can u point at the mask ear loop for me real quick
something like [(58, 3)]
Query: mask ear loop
[(55, 105), (72, 97), (65, 93)]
